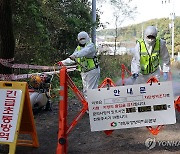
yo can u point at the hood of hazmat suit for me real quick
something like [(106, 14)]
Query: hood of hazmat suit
[(83, 38), (150, 34)]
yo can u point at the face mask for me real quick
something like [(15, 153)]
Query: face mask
[(82, 45), (150, 41), (83, 41)]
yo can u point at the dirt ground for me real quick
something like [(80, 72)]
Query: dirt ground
[(82, 141)]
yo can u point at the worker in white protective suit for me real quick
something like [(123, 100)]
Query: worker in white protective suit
[(85, 56), (150, 56)]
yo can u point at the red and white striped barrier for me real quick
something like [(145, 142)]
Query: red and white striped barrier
[(6, 63)]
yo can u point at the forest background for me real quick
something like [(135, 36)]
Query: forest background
[(45, 32)]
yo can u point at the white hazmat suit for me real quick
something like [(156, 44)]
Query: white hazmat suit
[(164, 65), (90, 78)]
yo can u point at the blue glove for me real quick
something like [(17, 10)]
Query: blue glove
[(135, 76), (165, 76)]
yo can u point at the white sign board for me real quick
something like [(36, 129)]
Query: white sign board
[(131, 106), (9, 110)]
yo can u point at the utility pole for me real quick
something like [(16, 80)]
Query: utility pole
[(142, 30), (94, 21), (172, 17)]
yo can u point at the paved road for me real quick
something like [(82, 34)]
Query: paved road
[(176, 82)]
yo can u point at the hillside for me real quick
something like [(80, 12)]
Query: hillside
[(133, 32)]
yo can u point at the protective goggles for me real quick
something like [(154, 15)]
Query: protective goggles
[(151, 37)]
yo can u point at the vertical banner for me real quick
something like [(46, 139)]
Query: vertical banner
[(10, 100), (16, 116)]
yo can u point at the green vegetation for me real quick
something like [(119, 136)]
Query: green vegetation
[(46, 30), (111, 66), (134, 32)]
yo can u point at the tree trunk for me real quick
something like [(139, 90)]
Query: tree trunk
[(7, 42)]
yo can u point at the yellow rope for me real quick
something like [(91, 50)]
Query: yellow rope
[(55, 70)]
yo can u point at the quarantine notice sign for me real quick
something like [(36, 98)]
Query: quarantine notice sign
[(131, 106), (9, 111)]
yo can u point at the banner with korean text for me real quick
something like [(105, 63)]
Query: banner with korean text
[(131, 106), (16, 115), (9, 112)]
